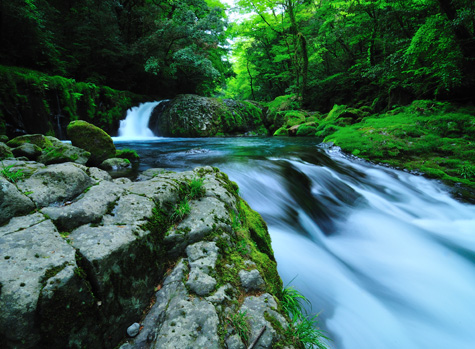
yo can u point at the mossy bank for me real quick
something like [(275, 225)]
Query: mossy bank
[(434, 138), (34, 102)]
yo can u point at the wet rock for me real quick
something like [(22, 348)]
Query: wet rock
[(196, 116), (116, 164), (251, 280)]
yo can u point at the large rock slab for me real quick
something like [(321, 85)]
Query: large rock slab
[(90, 208), (123, 264), (31, 252), (55, 184)]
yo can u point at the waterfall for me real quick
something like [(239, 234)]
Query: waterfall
[(135, 124)]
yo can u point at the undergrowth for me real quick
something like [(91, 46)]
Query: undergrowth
[(304, 327)]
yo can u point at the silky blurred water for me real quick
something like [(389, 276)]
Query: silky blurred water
[(387, 258)]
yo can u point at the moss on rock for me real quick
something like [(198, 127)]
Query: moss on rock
[(92, 139)]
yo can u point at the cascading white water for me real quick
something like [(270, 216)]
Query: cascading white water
[(135, 124)]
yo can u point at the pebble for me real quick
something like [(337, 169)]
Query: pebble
[(133, 330)]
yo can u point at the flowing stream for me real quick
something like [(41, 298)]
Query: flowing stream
[(387, 258)]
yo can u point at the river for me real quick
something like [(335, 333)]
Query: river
[(386, 257)]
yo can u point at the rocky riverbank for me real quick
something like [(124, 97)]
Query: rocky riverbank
[(84, 257)]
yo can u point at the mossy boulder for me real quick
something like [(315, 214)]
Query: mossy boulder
[(36, 139), (92, 139), (196, 116)]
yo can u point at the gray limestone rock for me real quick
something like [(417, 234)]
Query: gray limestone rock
[(56, 183), (90, 208), (29, 150), (163, 191), (251, 280), (200, 283), (29, 257), (256, 308), (202, 255), (130, 209), (235, 342), (220, 295), (98, 174), (207, 215), (12, 201)]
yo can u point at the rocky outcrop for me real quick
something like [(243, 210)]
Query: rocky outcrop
[(172, 258), (196, 116)]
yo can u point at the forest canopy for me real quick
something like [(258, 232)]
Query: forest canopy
[(151, 47), (359, 52), (354, 51)]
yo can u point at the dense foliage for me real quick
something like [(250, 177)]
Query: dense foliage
[(360, 52), (152, 47)]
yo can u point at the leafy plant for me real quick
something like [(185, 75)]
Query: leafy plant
[(181, 210), (303, 328), (11, 176), (196, 188), (467, 171), (240, 322)]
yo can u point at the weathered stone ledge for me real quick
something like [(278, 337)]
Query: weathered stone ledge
[(84, 256)]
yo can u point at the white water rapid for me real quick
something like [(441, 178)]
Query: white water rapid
[(135, 124), (386, 258)]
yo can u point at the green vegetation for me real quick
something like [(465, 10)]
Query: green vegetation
[(240, 322), (304, 328), (11, 176), (39, 97), (127, 153), (182, 209), (149, 47), (353, 52), (431, 137)]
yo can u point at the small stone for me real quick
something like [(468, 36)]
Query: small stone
[(133, 329), (251, 280), (200, 283)]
